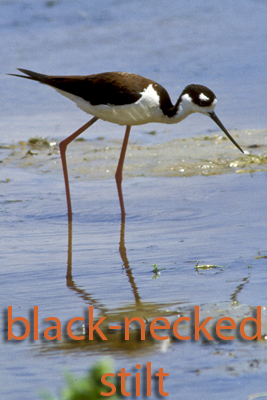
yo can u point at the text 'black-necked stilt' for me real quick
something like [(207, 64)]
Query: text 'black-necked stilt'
[(126, 99)]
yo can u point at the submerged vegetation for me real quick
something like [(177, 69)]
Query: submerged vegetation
[(207, 266), (39, 142)]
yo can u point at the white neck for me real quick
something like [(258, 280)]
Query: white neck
[(186, 107)]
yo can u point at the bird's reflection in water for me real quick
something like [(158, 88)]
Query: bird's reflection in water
[(81, 292), (142, 309), (145, 310), (123, 254), (70, 282)]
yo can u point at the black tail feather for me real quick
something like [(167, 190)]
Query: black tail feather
[(35, 76)]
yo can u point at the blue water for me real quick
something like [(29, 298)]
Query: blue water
[(218, 44)]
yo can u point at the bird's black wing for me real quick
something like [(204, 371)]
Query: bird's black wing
[(116, 88)]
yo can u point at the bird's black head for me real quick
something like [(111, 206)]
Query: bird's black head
[(199, 98), (200, 95)]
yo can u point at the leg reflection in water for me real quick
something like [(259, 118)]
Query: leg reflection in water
[(81, 292)]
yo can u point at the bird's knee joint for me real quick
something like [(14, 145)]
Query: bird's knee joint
[(118, 178)]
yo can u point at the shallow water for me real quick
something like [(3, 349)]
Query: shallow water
[(191, 198), (175, 223)]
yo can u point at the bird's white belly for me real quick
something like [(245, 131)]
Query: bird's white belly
[(145, 110)]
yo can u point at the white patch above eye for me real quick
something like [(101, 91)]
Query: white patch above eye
[(203, 97), (186, 97)]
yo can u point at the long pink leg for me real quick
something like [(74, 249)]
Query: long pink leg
[(63, 147), (118, 175)]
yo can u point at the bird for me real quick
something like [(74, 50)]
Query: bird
[(125, 99)]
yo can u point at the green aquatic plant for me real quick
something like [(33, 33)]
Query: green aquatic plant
[(260, 256), (7, 180), (39, 142), (88, 387), (207, 266), (250, 162), (156, 270)]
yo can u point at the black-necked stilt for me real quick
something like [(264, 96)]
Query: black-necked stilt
[(126, 99)]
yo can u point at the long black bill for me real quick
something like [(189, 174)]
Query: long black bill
[(218, 122)]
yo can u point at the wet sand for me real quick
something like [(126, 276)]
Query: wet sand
[(97, 158)]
